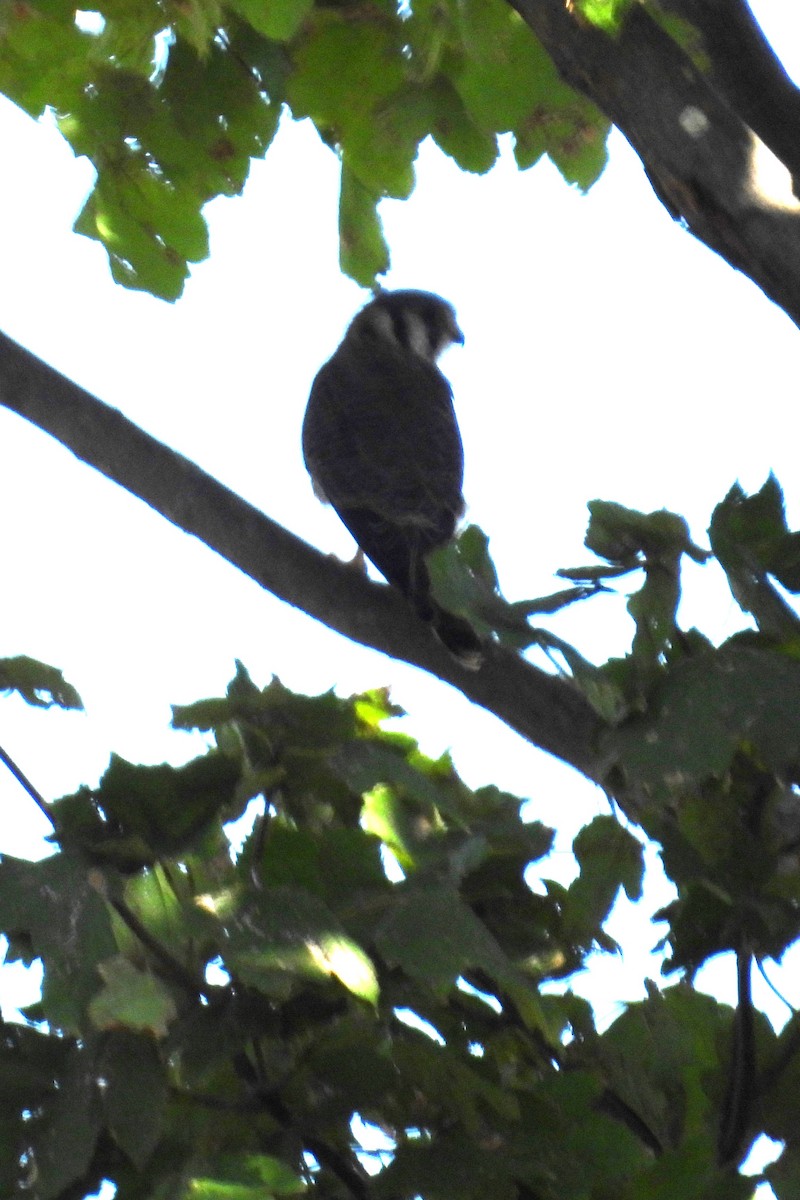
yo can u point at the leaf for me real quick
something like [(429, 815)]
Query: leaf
[(369, 68), (753, 527), (472, 148), (131, 999), (503, 76), (708, 706), (608, 15), (374, 707), (464, 581), (45, 59), (64, 1141), (363, 764), (337, 864), (141, 256), (690, 1172), (363, 252), (163, 144), (453, 1167), (134, 1093), (610, 857), (37, 683), (578, 148), (55, 903), (353, 1067), (660, 1055), (433, 936), (168, 807), (246, 1177), (279, 20), (30, 1064), (621, 534), (751, 540), (285, 934), (455, 1086)]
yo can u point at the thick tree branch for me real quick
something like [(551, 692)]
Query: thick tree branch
[(705, 163), (747, 73), (546, 710)]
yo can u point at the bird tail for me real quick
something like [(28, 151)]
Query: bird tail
[(398, 551), (458, 636)]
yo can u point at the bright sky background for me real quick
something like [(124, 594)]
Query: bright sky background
[(608, 355)]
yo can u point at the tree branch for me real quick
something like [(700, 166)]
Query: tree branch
[(748, 74), (544, 709), (702, 158)]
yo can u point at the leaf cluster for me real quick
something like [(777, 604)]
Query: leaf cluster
[(171, 102), (699, 742), (386, 951), (216, 1025)]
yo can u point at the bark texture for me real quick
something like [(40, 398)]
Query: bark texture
[(720, 141)]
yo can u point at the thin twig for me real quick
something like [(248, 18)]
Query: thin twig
[(21, 778), (175, 970)]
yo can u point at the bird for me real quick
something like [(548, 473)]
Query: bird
[(382, 445)]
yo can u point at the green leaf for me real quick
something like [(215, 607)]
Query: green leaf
[(563, 1141), (691, 1173), (45, 59), (374, 707), (505, 72), (134, 1093), (163, 145), (285, 934), (369, 68), (130, 226), (608, 15), (610, 857), (364, 764), (662, 1054), (435, 938), (621, 535), (364, 108), (336, 864), (454, 1085), (131, 999), (64, 1141), (471, 147), (363, 252), (279, 20), (30, 1064), (577, 147), (432, 935), (37, 683), (751, 540), (249, 1177), (453, 1167), (168, 808), (57, 906), (709, 706), (353, 1065)]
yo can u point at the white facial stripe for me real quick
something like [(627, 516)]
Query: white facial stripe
[(418, 339), (381, 320)]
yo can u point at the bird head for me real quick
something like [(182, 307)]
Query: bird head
[(421, 323)]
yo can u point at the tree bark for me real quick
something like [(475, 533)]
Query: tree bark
[(707, 138), (545, 709)]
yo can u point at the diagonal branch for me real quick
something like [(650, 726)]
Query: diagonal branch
[(705, 162), (544, 709)]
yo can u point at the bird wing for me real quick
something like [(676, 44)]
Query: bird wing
[(381, 435)]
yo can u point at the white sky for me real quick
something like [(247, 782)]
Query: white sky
[(608, 355)]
